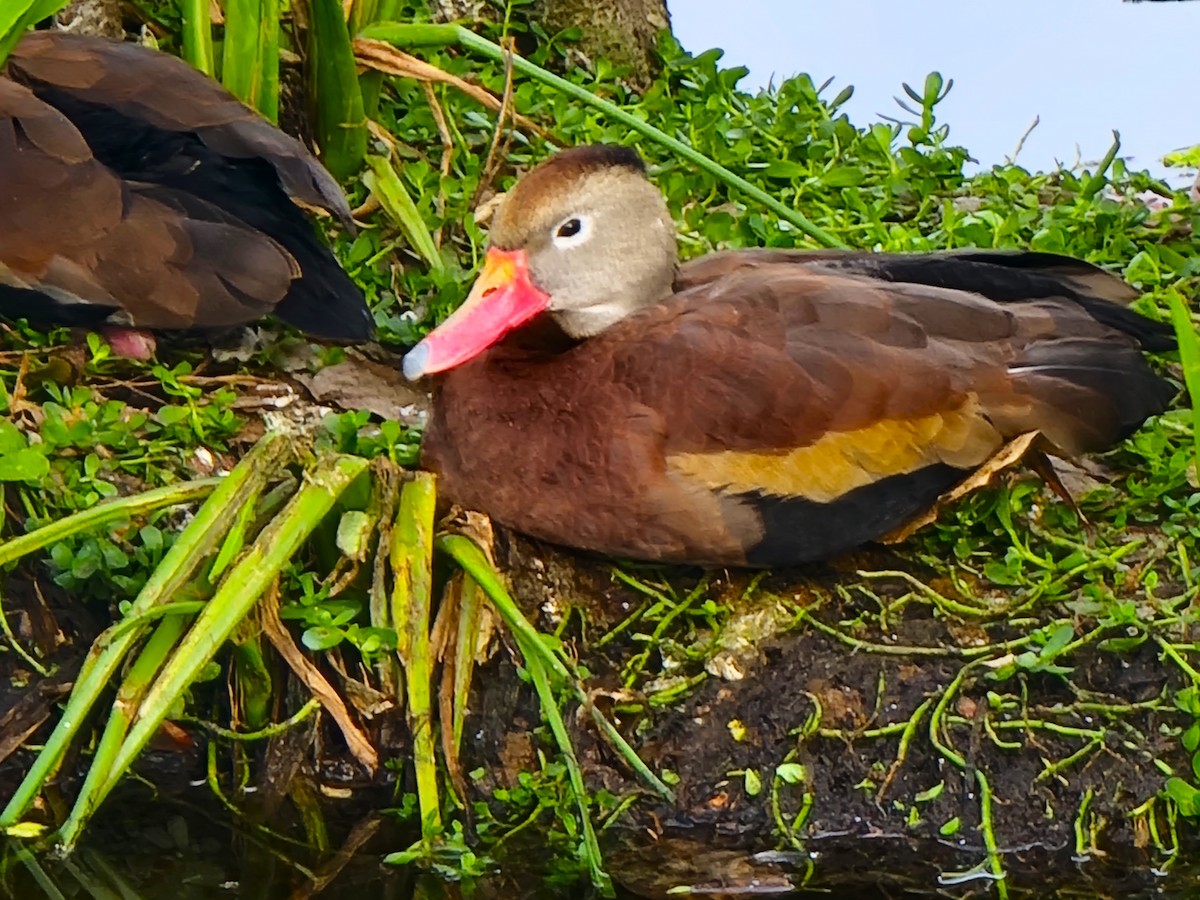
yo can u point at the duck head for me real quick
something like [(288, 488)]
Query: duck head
[(584, 238)]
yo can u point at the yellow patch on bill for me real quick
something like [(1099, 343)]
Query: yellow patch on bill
[(844, 460)]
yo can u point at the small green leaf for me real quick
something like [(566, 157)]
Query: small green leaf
[(843, 176), (354, 534), (319, 637), (1183, 795), (1191, 738), (26, 830), (24, 465), (752, 782), (11, 438), (950, 827), (402, 857), (785, 169), (790, 773), (932, 794)]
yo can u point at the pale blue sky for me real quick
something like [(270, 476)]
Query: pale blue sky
[(1085, 66)]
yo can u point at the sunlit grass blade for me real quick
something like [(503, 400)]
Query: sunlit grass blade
[(247, 580), (467, 554), (16, 16), (137, 682), (386, 184), (1189, 357), (250, 56), (412, 560), (177, 568), (333, 83), (197, 35)]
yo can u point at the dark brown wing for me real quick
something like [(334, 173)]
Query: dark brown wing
[(1006, 276), (156, 122), (79, 245), (823, 409), (167, 93)]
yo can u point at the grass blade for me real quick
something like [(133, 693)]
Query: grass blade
[(333, 79), (250, 59), (197, 35), (412, 559), (176, 569), (591, 846), (273, 548), (129, 697), (386, 184), (1189, 358)]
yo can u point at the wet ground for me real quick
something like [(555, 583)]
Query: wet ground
[(844, 799)]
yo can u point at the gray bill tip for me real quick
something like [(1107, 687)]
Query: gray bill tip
[(415, 361)]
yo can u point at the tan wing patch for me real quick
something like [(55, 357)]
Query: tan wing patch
[(841, 461)]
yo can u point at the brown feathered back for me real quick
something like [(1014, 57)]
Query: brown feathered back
[(138, 192)]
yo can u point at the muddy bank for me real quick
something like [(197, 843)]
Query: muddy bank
[(808, 745), (820, 728)]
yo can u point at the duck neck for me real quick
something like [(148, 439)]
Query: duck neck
[(543, 336)]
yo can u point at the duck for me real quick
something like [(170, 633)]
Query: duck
[(138, 195), (754, 407)]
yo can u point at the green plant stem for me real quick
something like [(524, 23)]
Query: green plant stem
[(250, 60), (340, 117), (273, 548), (103, 513), (591, 846), (412, 560), (149, 662), (416, 35), (987, 828), (474, 563), (175, 570), (270, 731), (18, 648), (197, 36)]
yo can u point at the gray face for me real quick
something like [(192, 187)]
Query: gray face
[(601, 248)]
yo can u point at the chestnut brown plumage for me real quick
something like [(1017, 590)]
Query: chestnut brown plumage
[(754, 407), (135, 191)]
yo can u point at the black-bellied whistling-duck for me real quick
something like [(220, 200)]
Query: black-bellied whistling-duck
[(136, 192), (756, 407)]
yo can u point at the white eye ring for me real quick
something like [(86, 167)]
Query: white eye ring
[(572, 231)]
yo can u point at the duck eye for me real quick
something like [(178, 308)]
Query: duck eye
[(572, 231)]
